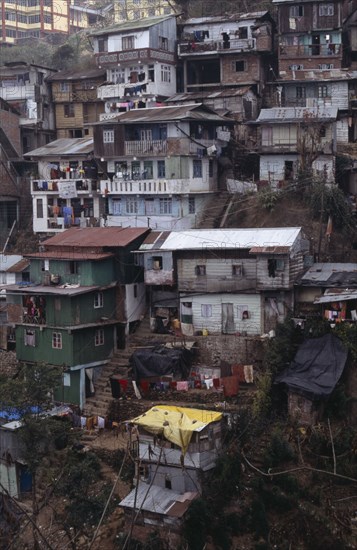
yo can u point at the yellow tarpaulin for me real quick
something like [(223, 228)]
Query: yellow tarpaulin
[(176, 424)]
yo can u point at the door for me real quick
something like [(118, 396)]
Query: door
[(315, 50), (228, 319)]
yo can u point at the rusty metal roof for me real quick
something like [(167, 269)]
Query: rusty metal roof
[(192, 96), (77, 75), (194, 112), (99, 237), (311, 75), (64, 147), (70, 255)]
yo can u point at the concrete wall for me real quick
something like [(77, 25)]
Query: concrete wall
[(233, 349)]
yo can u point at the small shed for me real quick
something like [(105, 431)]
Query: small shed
[(312, 376)]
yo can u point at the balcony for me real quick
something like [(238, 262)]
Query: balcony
[(145, 147), (80, 186), (80, 95), (129, 90), (309, 50), (189, 48), (145, 187)]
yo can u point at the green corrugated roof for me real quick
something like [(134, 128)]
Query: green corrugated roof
[(132, 25)]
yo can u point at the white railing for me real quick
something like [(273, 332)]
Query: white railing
[(145, 187)]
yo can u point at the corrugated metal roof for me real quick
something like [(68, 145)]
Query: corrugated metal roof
[(100, 237), (20, 266), (77, 75), (9, 261), (336, 295), (287, 114), (199, 239), (131, 25), (270, 250), (73, 290), (310, 75), (227, 92), (224, 18), (64, 147), (331, 274), (194, 111), (158, 500), (70, 255)]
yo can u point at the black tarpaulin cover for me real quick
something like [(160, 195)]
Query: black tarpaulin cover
[(161, 361), (316, 368)]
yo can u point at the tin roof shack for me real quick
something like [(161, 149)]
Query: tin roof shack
[(226, 51), (312, 377), (74, 94), (65, 192), (140, 59), (297, 138), (25, 87), (225, 281), (84, 292), (328, 290), (13, 270), (163, 162), (169, 438)]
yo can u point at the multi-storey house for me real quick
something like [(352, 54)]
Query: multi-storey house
[(140, 60), (13, 269), (33, 19), (221, 52), (64, 189), (83, 294), (224, 281), (24, 87), (74, 94), (176, 447), (163, 164), (297, 140), (128, 10)]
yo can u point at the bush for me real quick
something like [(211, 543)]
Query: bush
[(278, 450), (267, 198)]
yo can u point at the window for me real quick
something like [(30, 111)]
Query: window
[(47, 19), (135, 291), (300, 92), (116, 207), (191, 205), (68, 109), (197, 168), (325, 66), (148, 173), (117, 76), (239, 66), (165, 73), (39, 208), (163, 43), (128, 43), (161, 172), (322, 91), (98, 299), (99, 337), (65, 86), (243, 32), (30, 338), (151, 72), (102, 45), (56, 340), (108, 136), (296, 67), (275, 265), (237, 270), (165, 206), (200, 270), (131, 205), (296, 11), (168, 484), (206, 310), (157, 263), (326, 9), (73, 268)]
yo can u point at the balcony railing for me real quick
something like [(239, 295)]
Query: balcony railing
[(123, 90), (192, 47), (53, 186), (11, 91), (308, 50), (145, 186), (146, 147)]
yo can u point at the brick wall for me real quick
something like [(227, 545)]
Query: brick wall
[(230, 348), (309, 63), (252, 72), (10, 125)]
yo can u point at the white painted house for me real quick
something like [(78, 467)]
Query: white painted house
[(224, 281)]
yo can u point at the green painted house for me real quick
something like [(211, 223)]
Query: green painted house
[(84, 292)]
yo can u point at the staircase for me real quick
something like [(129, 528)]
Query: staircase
[(119, 365), (215, 211)]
